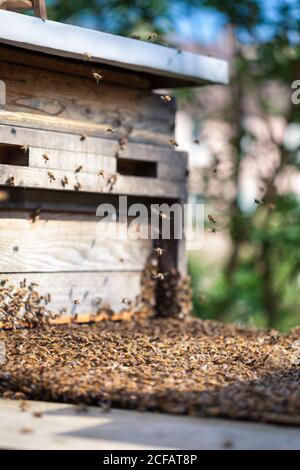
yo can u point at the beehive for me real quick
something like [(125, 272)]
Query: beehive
[(79, 126)]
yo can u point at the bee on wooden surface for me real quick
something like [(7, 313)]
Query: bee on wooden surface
[(23, 283), (36, 214), (64, 181), (126, 301), (165, 98), (173, 143), (211, 219), (109, 130), (101, 173), (24, 405), (77, 186), (152, 36), (25, 148), (37, 414), (10, 181), (97, 76), (4, 196), (83, 136), (87, 56), (159, 276), (78, 169), (26, 430), (45, 157), (33, 285), (47, 299), (112, 181), (159, 251), (51, 176)]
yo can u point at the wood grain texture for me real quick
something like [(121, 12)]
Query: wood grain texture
[(26, 177), (66, 160), (58, 242), (86, 287), (50, 93), (2, 95)]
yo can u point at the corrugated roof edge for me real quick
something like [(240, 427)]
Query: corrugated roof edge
[(73, 41)]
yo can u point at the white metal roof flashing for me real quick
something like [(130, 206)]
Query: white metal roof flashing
[(73, 41)]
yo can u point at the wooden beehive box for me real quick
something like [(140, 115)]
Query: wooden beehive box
[(55, 118)]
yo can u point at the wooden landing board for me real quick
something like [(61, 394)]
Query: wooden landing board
[(89, 288), (62, 242), (26, 177)]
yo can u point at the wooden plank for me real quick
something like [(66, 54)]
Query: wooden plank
[(2, 95), (59, 242), (60, 134), (82, 99), (26, 177), (86, 287), (66, 160)]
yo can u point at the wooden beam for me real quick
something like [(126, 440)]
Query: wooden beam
[(16, 5), (2, 95)]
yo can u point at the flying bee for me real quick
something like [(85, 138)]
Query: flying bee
[(45, 157), (152, 36), (25, 148), (83, 136), (159, 276), (10, 181), (77, 186), (211, 219), (197, 141), (165, 98), (78, 169), (64, 181), (101, 173), (214, 230), (87, 56), (76, 302), (126, 301), (97, 76), (257, 201), (36, 214), (112, 181), (173, 142), (109, 130), (51, 176), (159, 251)]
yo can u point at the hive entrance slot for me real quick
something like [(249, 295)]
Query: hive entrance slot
[(14, 155), (127, 166)]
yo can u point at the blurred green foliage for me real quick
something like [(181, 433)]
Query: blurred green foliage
[(259, 284)]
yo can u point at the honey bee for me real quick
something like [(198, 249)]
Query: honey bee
[(51, 176), (173, 142), (159, 276), (37, 414), (211, 219), (4, 196), (25, 148), (109, 130), (77, 186), (152, 36), (135, 36), (26, 430), (159, 251), (87, 56), (257, 201), (24, 405), (126, 301), (97, 76), (45, 157), (10, 181), (197, 141), (165, 98), (35, 214), (112, 181), (76, 302), (78, 169), (64, 181), (101, 173), (83, 136)]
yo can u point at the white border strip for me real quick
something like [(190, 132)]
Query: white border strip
[(73, 41)]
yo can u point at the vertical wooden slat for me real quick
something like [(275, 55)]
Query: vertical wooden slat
[(2, 94), (40, 8)]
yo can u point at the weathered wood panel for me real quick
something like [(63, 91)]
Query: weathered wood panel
[(2, 95), (58, 242), (66, 160), (49, 93), (61, 134), (89, 288), (26, 177)]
